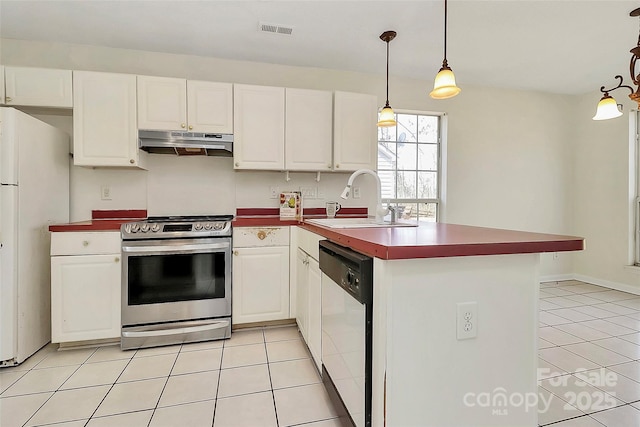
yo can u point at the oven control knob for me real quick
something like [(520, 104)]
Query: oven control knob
[(144, 228), (218, 225), (155, 228), (135, 227), (198, 226), (208, 226), (127, 228)]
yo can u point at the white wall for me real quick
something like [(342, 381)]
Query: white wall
[(602, 211), (510, 163)]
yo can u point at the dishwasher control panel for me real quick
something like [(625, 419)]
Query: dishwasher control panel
[(351, 270)]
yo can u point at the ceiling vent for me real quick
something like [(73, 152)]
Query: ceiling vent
[(275, 29)]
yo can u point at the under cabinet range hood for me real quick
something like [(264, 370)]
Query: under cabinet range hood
[(186, 143)]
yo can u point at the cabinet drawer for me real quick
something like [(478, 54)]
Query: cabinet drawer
[(308, 242), (248, 237), (81, 243)]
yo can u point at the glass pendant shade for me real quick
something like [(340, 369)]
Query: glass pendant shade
[(387, 117), (444, 85), (607, 109)]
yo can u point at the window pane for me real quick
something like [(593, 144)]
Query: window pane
[(428, 129), (388, 184), (387, 133), (428, 157), (427, 185), (386, 155), (407, 127), (407, 156), (407, 211), (427, 212), (407, 185)]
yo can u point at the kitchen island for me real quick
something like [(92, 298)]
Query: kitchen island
[(423, 373)]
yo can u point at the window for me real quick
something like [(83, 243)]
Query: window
[(409, 165)]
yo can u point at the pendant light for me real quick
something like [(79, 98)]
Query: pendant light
[(387, 116), (608, 107), (444, 85)]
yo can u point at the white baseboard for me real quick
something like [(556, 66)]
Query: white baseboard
[(556, 278), (594, 281), (608, 284)]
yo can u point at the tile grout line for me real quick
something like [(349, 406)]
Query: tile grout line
[(273, 394), (57, 389), (165, 384)]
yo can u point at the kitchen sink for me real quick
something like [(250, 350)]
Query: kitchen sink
[(356, 223)]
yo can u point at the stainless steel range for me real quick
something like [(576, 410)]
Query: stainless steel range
[(176, 280)]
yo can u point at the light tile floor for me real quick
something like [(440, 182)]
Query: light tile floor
[(259, 377), (589, 356)]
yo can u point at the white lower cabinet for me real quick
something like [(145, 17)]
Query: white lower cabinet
[(260, 274), (85, 286), (308, 293)]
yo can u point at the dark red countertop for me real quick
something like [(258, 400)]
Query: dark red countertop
[(437, 240), (102, 221)]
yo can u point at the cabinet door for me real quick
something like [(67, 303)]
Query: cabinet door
[(40, 87), (85, 297), (302, 293), (162, 103), (104, 120), (210, 107), (355, 131), (260, 284), (315, 312), (258, 114), (308, 130)]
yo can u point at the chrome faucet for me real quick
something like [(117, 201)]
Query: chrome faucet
[(380, 211)]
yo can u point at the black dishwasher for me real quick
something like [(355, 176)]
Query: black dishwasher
[(347, 316)]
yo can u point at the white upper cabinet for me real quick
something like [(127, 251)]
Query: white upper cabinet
[(308, 134), (210, 106), (355, 131), (166, 103), (105, 132), (40, 87), (162, 103), (258, 113)]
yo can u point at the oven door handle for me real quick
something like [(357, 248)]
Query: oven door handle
[(174, 249), (175, 331)]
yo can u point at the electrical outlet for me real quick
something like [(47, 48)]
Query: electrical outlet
[(467, 320), (356, 192), (274, 192), (308, 192), (105, 192)]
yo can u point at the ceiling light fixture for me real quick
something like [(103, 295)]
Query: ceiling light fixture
[(444, 85), (608, 107), (387, 116)]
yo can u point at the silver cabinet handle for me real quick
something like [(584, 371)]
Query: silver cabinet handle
[(85, 243)]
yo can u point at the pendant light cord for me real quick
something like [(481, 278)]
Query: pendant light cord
[(387, 103), (445, 32)]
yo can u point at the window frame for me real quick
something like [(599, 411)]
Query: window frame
[(438, 201)]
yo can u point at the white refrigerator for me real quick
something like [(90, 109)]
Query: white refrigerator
[(34, 193)]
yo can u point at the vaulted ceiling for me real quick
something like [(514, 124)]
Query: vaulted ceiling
[(558, 46)]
